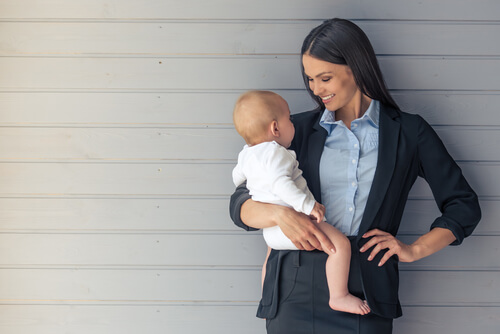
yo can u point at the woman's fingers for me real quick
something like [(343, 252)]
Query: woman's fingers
[(374, 241), (304, 233), (326, 245), (313, 238), (304, 244), (300, 245), (381, 240), (386, 257), (377, 236), (384, 244), (374, 232)]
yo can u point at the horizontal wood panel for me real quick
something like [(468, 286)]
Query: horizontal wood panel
[(149, 108), (449, 288), (451, 108), (118, 215), (151, 73), (120, 143), (258, 9), (82, 319), (472, 144), (175, 214), (439, 320), (440, 73), (444, 288), (131, 108), (129, 319), (177, 249), (463, 143), (131, 286), (189, 249), (278, 72), (116, 178), (139, 38), (169, 179)]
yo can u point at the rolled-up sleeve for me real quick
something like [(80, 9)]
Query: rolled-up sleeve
[(456, 200), (240, 196)]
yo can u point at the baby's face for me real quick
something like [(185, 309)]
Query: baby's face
[(285, 125)]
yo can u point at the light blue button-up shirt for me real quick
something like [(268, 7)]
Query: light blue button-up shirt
[(347, 167)]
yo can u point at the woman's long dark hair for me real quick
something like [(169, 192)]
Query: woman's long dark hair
[(340, 41)]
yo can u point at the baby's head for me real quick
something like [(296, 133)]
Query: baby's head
[(261, 116)]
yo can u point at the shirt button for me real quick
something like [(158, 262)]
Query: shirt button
[(353, 184), (355, 125), (355, 145), (350, 209), (353, 161)]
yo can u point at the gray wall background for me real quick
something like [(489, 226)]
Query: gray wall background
[(116, 147)]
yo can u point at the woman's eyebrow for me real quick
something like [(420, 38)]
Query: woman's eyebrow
[(320, 74)]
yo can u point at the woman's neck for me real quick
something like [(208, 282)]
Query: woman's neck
[(354, 110)]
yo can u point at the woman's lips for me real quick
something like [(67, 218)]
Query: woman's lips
[(327, 98)]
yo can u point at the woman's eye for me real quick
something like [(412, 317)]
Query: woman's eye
[(325, 79)]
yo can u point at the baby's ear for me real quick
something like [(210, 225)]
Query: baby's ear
[(274, 129)]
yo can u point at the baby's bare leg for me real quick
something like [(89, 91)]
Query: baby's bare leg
[(337, 273)]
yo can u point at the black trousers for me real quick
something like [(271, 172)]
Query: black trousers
[(303, 300)]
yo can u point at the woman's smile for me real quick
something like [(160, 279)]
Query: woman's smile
[(327, 99)]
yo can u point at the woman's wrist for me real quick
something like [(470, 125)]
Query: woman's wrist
[(416, 252), (277, 213), (431, 242)]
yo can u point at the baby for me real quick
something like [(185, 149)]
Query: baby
[(271, 171)]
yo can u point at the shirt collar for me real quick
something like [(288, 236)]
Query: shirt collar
[(372, 114)]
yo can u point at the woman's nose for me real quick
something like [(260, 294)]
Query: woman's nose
[(316, 89)]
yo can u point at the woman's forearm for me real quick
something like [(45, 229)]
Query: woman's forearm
[(298, 227), (431, 242), (259, 215)]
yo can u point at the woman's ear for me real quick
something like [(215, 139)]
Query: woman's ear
[(275, 129)]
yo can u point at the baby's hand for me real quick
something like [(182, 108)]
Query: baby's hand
[(318, 212)]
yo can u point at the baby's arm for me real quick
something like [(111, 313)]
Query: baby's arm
[(238, 175), (287, 182), (318, 212)]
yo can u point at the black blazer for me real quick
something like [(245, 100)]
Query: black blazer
[(408, 148)]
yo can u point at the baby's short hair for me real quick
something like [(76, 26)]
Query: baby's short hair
[(253, 113)]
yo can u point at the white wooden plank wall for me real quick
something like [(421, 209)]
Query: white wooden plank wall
[(116, 147)]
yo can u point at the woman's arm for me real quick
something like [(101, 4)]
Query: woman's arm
[(454, 197), (428, 244), (298, 227), (456, 200)]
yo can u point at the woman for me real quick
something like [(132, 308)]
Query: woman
[(367, 154)]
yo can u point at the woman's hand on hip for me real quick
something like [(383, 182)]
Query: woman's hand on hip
[(301, 230), (381, 240), (427, 244)]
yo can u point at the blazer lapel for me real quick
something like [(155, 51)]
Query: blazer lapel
[(315, 149), (388, 145)]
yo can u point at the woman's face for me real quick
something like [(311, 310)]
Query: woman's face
[(333, 83)]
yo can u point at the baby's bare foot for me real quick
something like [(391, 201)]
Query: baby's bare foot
[(349, 304)]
